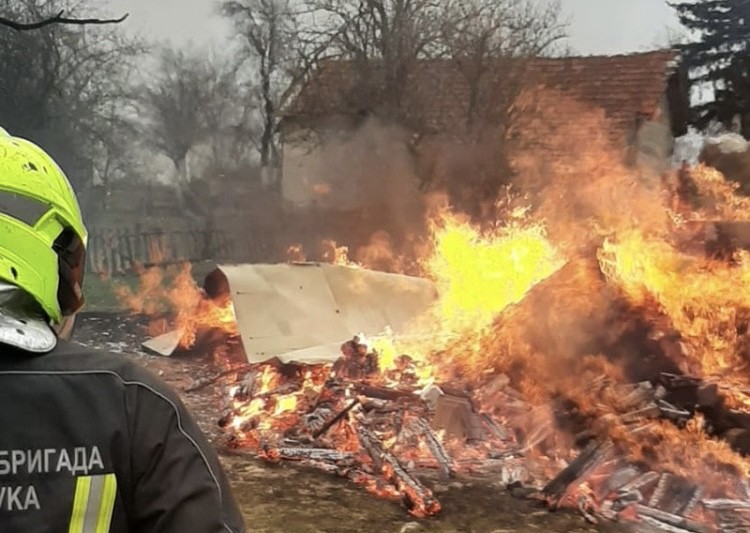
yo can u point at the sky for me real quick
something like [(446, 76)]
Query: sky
[(178, 21), (618, 26), (596, 26)]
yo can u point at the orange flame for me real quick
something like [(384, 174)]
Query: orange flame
[(174, 290), (335, 254)]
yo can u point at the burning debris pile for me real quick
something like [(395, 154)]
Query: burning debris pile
[(590, 353), (359, 420), (383, 429)]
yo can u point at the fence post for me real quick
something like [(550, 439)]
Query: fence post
[(93, 251), (129, 248)]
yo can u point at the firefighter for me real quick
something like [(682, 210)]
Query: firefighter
[(90, 442)]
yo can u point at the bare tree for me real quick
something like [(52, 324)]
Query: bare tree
[(393, 59), (277, 53), (490, 43), (403, 54), (184, 104), (384, 40), (190, 102), (59, 86)]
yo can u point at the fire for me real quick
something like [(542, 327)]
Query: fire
[(285, 404), (148, 297), (480, 274), (295, 254), (330, 252), (379, 254), (533, 330), (704, 299), (335, 254), (719, 198), (174, 290)]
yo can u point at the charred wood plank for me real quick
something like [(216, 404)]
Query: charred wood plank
[(540, 434), (312, 454), (731, 522), (725, 504), (506, 454), (663, 526), (499, 431), (586, 506), (660, 490), (324, 466), (746, 487), (318, 418), (418, 498), (456, 415), (589, 457), (639, 483), (673, 520), (692, 502), (672, 412), (210, 380), (375, 484), (627, 498), (281, 390), (335, 419), (640, 394), (371, 446), (651, 410), (398, 421), (621, 477), (675, 381), (384, 393), (436, 447), (675, 494)]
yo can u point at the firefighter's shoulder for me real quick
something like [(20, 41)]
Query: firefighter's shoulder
[(70, 358)]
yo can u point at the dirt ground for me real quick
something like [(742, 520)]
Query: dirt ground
[(287, 499)]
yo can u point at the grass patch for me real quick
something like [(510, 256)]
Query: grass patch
[(100, 293)]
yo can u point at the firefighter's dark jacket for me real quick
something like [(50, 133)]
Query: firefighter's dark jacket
[(91, 442)]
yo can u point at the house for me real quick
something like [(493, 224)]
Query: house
[(332, 151)]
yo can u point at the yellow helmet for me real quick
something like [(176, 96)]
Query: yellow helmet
[(42, 236)]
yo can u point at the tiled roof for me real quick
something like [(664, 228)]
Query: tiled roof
[(624, 88)]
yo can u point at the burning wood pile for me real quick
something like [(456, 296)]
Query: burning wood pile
[(351, 419), (386, 431), (599, 364)]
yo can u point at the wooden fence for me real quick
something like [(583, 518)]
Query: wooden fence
[(122, 250)]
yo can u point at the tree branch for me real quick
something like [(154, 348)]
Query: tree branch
[(56, 19)]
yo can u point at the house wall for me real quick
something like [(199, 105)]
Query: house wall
[(347, 169), (654, 142), (314, 175), (348, 186)]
